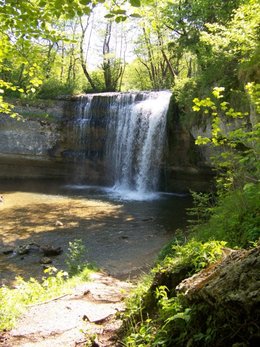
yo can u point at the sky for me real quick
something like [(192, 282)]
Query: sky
[(122, 39)]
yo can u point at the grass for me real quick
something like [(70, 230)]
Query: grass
[(15, 301)]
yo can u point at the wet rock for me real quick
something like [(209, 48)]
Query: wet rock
[(147, 219), (22, 250), (46, 260), (8, 251), (34, 246), (124, 237), (50, 251)]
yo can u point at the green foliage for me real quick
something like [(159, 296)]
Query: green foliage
[(235, 216), (180, 238), (223, 42), (136, 77), (253, 90), (13, 302), (165, 322), (76, 257), (135, 302), (194, 254), (54, 88), (239, 143), (98, 79), (201, 210), (235, 219)]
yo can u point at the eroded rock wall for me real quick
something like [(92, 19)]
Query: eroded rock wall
[(27, 145), (44, 145), (186, 165)]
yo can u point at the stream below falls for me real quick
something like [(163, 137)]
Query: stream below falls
[(122, 237)]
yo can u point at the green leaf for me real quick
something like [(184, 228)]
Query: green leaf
[(135, 3), (196, 108), (109, 15), (119, 11), (58, 4), (135, 15), (85, 2), (202, 140), (120, 19)]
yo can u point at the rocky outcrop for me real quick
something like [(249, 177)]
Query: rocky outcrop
[(186, 165), (52, 143), (27, 137), (27, 146), (225, 298)]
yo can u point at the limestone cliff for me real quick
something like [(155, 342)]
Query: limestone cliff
[(45, 145)]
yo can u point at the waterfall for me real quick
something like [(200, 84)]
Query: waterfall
[(127, 132)]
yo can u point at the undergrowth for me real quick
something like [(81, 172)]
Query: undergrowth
[(155, 312), (235, 219)]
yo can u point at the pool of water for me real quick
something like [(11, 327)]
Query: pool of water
[(122, 234)]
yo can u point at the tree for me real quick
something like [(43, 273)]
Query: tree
[(112, 66), (82, 57), (22, 23), (152, 46)]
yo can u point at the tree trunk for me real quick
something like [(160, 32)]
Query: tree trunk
[(82, 60), (151, 60), (106, 58)]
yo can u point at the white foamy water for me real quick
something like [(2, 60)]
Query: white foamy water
[(134, 139), (135, 145)]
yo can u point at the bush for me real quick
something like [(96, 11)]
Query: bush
[(76, 257), (53, 88), (235, 219)]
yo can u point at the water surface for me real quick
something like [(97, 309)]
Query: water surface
[(122, 237)]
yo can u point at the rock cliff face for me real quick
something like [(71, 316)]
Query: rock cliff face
[(27, 146), (186, 165), (47, 145), (28, 138)]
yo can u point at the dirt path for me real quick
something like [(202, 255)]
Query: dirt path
[(72, 320)]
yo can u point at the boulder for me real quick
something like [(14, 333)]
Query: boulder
[(225, 299), (45, 260), (50, 251)]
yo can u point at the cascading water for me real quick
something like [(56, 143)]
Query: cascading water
[(133, 135), (135, 142)]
